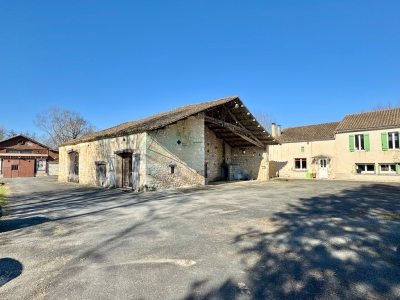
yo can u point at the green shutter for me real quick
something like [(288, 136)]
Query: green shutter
[(351, 143), (384, 141), (398, 168), (366, 142)]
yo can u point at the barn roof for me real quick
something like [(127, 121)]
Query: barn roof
[(227, 117), (325, 131), (370, 120), (28, 138)]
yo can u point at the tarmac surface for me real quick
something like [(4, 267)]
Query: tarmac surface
[(295, 239)]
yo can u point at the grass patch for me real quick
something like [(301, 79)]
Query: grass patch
[(3, 192)]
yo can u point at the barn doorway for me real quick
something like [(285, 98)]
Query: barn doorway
[(101, 173), (73, 175), (127, 170)]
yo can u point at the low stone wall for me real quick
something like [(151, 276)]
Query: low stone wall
[(52, 168)]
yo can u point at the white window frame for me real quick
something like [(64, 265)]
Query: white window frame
[(361, 142), (387, 172), (303, 161), (364, 170), (393, 134)]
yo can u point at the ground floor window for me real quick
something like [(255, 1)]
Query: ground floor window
[(365, 168), (387, 168), (300, 163)]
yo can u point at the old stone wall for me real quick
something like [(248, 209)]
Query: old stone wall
[(175, 155), (103, 150), (217, 152), (252, 162)]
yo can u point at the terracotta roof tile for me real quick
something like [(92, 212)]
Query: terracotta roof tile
[(369, 120), (315, 132)]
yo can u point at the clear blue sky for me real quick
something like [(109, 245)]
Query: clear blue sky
[(304, 62)]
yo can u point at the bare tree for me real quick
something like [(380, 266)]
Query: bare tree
[(389, 105), (3, 133), (265, 119), (62, 125)]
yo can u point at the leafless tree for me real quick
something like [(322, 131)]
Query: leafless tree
[(62, 125), (265, 119), (389, 105), (3, 133)]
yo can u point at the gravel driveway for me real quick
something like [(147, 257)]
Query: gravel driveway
[(280, 239)]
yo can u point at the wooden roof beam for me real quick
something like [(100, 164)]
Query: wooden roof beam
[(243, 133)]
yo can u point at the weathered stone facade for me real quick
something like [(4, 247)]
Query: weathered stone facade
[(103, 150), (179, 154), (175, 155), (190, 145)]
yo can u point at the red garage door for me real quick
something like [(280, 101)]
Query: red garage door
[(19, 168)]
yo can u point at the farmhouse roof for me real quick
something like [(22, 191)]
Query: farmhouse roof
[(370, 120), (325, 131), (158, 121)]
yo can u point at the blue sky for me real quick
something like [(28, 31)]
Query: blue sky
[(304, 62)]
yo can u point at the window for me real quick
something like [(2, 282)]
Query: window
[(205, 170), (365, 168), (387, 168), (300, 164), (359, 142), (14, 167), (172, 170), (393, 140), (302, 149)]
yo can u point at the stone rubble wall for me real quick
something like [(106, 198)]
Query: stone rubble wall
[(103, 150), (181, 147)]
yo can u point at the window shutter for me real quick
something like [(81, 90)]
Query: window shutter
[(398, 168), (384, 141), (351, 143), (366, 142)]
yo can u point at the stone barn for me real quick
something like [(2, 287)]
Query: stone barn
[(190, 145)]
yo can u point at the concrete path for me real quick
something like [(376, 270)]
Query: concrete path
[(250, 240)]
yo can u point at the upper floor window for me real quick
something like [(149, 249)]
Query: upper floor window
[(390, 140), (359, 142)]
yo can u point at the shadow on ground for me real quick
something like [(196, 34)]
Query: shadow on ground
[(14, 224), (335, 246), (9, 270)]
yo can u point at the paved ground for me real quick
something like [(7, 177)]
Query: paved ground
[(272, 240)]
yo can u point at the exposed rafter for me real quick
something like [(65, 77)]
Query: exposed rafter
[(243, 133)]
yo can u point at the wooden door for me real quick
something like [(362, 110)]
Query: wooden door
[(26, 168), (127, 170)]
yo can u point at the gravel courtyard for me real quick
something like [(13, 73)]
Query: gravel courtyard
[(296, 239)]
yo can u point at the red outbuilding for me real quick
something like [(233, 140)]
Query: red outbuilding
[(21, 156)]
